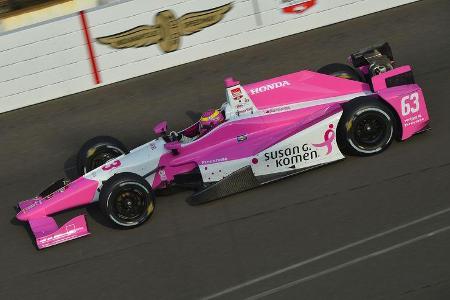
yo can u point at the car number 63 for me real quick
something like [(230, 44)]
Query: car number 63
[(410, 104)]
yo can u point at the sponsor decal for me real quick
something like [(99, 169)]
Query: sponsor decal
[(33, 205), (278, 109), (236, 93), (167, 30), (269, 87), (152, 146), (413, 120), (328, 137), (291, 156), (213, 161), (70, 230), (241, 138), (242, 111), (162, 175), (296, 6)]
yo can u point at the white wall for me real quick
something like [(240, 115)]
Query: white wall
[(43, 13), (51, 60)]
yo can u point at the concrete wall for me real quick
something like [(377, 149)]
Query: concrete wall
[(52, 59)]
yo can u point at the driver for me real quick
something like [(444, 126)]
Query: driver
[(209, 120)]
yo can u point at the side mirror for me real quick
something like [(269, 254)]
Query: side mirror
[(175, 147), (160, 128)]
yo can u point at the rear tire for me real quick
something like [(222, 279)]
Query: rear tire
[(97, 151), (367, 127), (342, 71), (127, 200)]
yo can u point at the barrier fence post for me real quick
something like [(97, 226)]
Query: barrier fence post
[(87, 37)]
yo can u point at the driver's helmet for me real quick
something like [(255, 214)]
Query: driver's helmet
[(210, 119)]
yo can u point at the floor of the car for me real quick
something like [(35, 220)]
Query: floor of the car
[(238, 181)]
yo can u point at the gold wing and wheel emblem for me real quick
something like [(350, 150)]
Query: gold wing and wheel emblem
[(167, 30)]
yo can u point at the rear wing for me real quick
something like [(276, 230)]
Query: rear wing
[(377, 64), (375, 59)]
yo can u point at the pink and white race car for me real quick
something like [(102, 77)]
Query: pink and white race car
[(270, 130)]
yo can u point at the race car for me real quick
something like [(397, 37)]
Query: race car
[(264, 131)]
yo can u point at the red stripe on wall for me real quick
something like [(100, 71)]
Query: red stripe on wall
[(87, 37)]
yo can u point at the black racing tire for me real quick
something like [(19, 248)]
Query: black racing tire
[(341, 71), (367, 127), (97, 151), (127, 200)]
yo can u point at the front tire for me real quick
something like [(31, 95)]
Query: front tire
[(127, 200), (366, 127), (97, 151)]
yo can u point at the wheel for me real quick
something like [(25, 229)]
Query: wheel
[(366, 127), (341, 71), (127, 200), (97, 151)]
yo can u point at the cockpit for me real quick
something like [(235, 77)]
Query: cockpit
[(207, 122)]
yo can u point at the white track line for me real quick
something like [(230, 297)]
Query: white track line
[(326, 254), (349, 263)]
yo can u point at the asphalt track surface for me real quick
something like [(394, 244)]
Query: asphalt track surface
[(363, 228)]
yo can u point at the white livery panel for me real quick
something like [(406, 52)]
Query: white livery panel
[(313, 146)]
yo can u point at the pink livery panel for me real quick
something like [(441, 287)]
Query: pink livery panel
[(247, 137), (409, 103), (300, 87)]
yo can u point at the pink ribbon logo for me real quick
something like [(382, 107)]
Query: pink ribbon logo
[(328, 137)]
